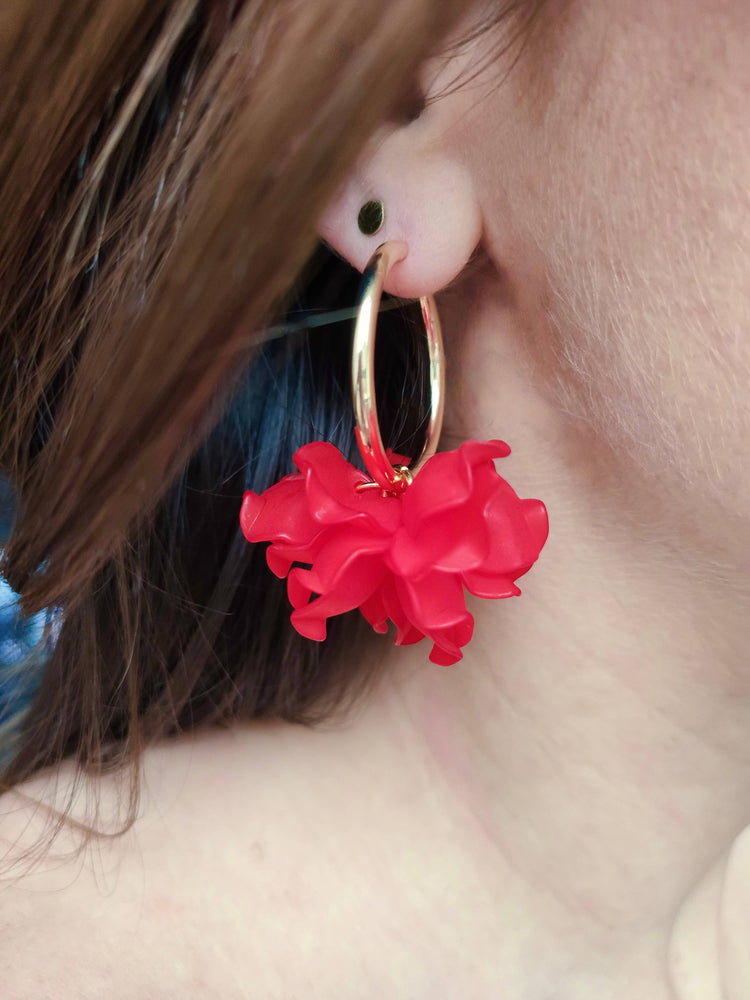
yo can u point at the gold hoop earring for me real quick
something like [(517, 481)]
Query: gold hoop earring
[(367, 430), (406, 550)]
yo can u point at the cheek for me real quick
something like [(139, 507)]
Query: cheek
[(630, 197)]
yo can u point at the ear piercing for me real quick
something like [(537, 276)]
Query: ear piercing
[(371, 217)]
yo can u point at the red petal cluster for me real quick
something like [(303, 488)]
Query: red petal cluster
[(404, 557)]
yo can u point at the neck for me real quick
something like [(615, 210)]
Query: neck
[(594, 737)]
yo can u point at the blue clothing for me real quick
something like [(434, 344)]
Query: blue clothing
[(25, 644)]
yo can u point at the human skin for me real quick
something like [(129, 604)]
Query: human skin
[(598, 727), (561, 814)]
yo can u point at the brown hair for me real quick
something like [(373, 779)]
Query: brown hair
[(162, 166)]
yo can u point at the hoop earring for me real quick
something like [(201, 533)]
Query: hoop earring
[(367, 426), (404, 545)]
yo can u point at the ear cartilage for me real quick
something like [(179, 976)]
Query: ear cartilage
[(371, 217)]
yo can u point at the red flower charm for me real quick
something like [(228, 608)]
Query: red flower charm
[(406, 557)]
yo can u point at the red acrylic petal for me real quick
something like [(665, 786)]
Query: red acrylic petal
[(301, 585), (330, 482), (407, 632), (487, 585), (406, 558), (353, 585), (447, 480), (281, 512), (437, 607), (373, 610), (384, 605), (517, 528)]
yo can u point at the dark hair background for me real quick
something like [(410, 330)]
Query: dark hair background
[(220, 643), (162, 167)]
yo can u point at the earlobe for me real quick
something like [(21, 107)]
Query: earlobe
[(429, 203)]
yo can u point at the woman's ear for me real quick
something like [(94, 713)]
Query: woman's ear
[(429, 203)]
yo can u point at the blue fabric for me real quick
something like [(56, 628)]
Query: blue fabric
[(25, 644)]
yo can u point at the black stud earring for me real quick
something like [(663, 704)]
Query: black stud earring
[(371, 217)]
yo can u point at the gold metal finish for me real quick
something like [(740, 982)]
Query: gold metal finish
[(363, 373)]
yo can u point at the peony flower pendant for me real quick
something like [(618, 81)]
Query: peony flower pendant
[(404, 545), (405, 556)]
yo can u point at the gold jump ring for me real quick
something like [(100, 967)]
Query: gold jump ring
[(367, 429)]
